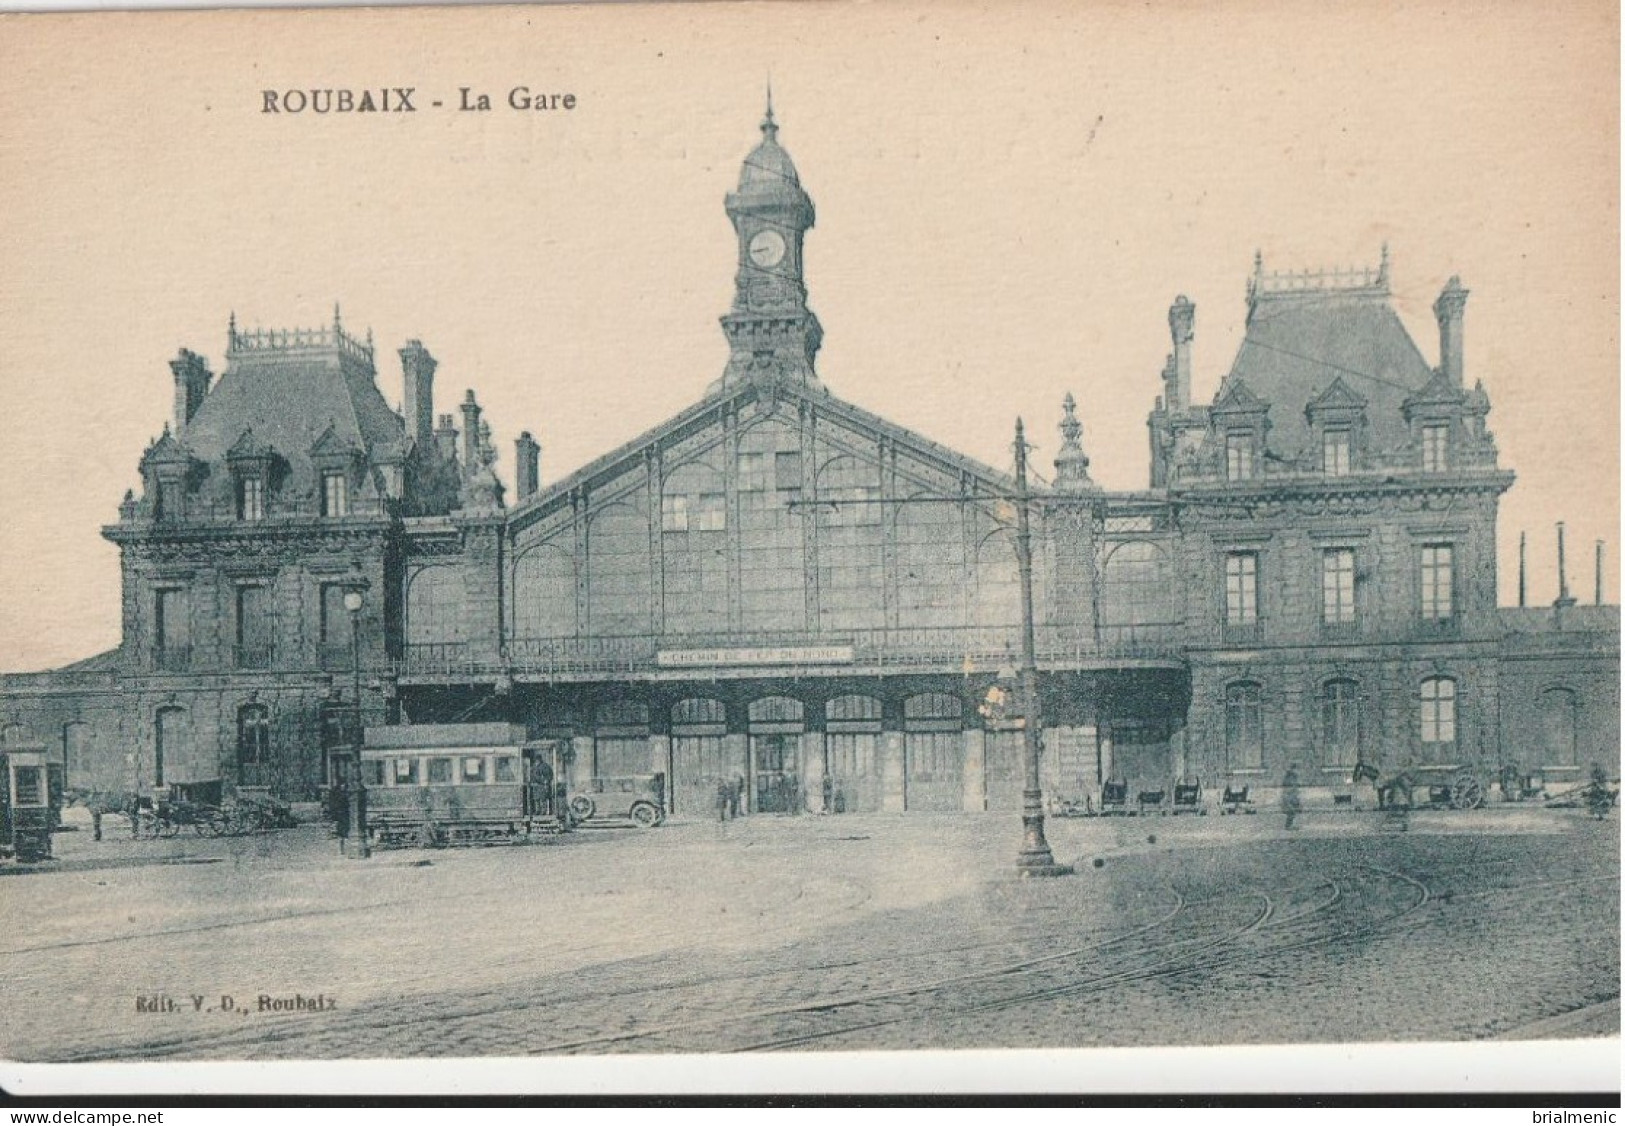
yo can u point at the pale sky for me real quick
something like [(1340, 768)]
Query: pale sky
[(1007, 202)]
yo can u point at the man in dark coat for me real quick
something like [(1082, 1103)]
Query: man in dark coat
[(1291, 798)]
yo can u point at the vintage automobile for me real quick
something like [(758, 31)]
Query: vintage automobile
[(639, 798), (28, 807), (446, 784)]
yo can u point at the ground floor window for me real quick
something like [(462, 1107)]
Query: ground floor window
[(1438, 718), (1340, 722), (1244, 726), (1559, 730)]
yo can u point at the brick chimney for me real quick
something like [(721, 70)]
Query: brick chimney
[(417, 372), (1450, 306), (192, 378), (471, 430), (527, 461), (445, 439), (1182, 326)]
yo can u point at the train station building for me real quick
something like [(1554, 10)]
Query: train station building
[(778, 588)]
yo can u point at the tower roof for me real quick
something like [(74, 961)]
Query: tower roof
[(768, 167)]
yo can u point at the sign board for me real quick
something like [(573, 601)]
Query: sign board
[(786, 655)]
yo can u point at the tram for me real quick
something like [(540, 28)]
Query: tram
[(30, 805), (447, 784)]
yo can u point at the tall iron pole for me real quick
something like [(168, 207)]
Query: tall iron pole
[(360, 849), (1599, 572), (1035, 858)]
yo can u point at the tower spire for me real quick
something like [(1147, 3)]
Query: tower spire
[(770, 128)]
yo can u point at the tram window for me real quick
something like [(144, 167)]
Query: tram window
[(473, 769), (29, 790), (505, 771), (374, 772), (440, 772), (406, 771)]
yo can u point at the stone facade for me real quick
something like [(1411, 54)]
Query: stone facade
[(779, 588)]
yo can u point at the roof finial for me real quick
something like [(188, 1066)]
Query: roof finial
[(231, 330), (770, 128), (336, 320), (1382, 268)]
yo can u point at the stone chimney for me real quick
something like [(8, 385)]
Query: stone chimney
[(527, 462), (1182, 326), (471, 430), (1448, 308), (445, 439), (192, 378), (417, 372)]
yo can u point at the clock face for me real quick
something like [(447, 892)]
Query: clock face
[(767, 248)]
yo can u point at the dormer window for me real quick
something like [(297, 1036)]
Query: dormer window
[(335, 494), (1334, 456), (251, 498), (1435, 448), (1238, 452)]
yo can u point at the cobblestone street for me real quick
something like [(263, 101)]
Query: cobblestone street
[(846, 932)]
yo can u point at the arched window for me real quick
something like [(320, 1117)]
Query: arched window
[(776, 709), (623, 713), (172, 744), (1438, 718), (1559, 710), (933, 707), (998, 582), (853, 709), (544, 593), (1135, 590), (618, 572), (75, 752), (253, 744), (1340, 722), (1244, 726), (436, 607), (698, 711)]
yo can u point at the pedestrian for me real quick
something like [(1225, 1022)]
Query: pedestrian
[(792, 794), (1291, 799), (736, 802), (840, 800), (829, 794), (725, 799), (1599, 798)]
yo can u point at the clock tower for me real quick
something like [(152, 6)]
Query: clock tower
[(771, 333)]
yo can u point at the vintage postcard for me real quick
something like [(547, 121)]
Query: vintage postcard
[(635, 532)]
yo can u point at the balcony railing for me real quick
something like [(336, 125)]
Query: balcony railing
[(950, 648), (1243, 633), (253, 656), (172, 658)]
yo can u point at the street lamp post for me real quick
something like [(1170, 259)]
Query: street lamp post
[(358, 848), (1035, 857)]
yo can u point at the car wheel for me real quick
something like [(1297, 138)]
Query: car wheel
[(646, 815)]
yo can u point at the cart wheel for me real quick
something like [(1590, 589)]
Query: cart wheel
[(1466, 791), (168, 828), (646, 814), (582, 807)]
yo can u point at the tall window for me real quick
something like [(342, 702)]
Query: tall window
[(711, 512), (1438, 582), (253, 627), (1334, 453), (171, 630), (1244, 727), (1558, 712), (251, 498), (1241, 588), (1135, 587), (436, 606), (253, 744), (787, 474), (1438, 718), (1435, 448), (753, 473), (335, 494), (1340, 722), (674, 514), (335, 624), (1337, 586), (1238, 453)]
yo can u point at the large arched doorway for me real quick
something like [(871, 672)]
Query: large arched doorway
[(776, 724), (699, 731), (933, 752), (852, 739)]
